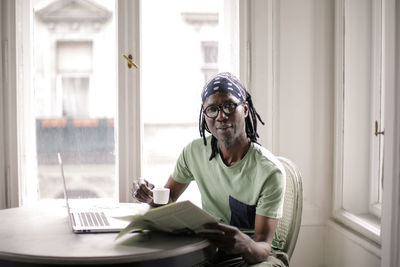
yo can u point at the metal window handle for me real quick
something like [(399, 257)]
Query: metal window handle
[(376, 130), (130, 62)]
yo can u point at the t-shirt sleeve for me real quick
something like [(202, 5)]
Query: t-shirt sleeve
[(182, 173), (270, 202)]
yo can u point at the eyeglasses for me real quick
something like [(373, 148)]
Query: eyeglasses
[(228, 108)]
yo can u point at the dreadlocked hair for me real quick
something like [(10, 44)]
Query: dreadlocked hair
[(251, 126)]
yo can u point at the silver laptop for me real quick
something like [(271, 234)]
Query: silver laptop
[(90, 220)]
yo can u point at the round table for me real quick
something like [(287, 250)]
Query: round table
[(41, 236)]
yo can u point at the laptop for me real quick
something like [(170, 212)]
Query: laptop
[(90, 220)]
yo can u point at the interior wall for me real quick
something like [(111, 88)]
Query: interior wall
[(345, 248), (305, 93), (301, 126), (302, 99)]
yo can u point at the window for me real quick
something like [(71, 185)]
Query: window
[(210, 59), (74, 68), (75, 97), (112, 124), (359, 116), (178, 56)]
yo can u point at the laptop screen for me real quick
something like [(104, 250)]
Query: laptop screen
[(63, 179)]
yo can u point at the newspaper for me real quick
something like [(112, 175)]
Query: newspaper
[(178, 217)]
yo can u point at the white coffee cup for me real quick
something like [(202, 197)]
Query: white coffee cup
[(160, 195)]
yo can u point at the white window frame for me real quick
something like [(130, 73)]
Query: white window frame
[(391, 198), (377, 112), (16, 70), (367, 224), (10, 188), (129, 135), (3, 190), (260, 55), (129, 121)]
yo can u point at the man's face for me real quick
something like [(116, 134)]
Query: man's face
[(226, 128)]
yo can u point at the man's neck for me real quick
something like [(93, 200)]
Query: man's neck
[(233, 152)]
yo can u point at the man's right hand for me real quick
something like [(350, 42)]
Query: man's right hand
[(141, 191)]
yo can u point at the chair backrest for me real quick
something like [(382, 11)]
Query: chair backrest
[(289, 225)]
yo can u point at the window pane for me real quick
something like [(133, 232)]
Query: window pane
[(363, 108), (75, 96), (179, 54)]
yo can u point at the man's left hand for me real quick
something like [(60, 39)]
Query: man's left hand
[(230, 239)]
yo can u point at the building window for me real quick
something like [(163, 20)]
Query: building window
[(75, 96), (210, 59), (74, 62), (205, 26)]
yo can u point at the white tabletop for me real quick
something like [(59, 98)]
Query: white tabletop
[(42, 235)]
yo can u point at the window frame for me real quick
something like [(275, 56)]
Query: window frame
[(391, 198), (377, 112), (4, 48), (367, 224), (9, 111), (17, 71), (130, 129)]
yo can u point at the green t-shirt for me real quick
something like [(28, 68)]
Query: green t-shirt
[(234, 194)]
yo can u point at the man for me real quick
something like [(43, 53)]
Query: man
[(241, 183)]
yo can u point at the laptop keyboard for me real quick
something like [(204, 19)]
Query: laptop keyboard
[(93, 219)]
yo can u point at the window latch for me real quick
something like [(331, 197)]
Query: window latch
[(130, 62), (376, 130)]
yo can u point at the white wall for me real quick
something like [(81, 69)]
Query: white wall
[(305, 122), (302, 93), (345, 248)]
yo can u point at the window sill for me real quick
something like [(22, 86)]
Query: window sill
[(367, 225), (376, 209)]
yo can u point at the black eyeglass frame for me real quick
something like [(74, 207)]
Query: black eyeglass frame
[(221, 108)]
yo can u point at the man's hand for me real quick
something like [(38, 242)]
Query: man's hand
[(232, 241), (141, 191)]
